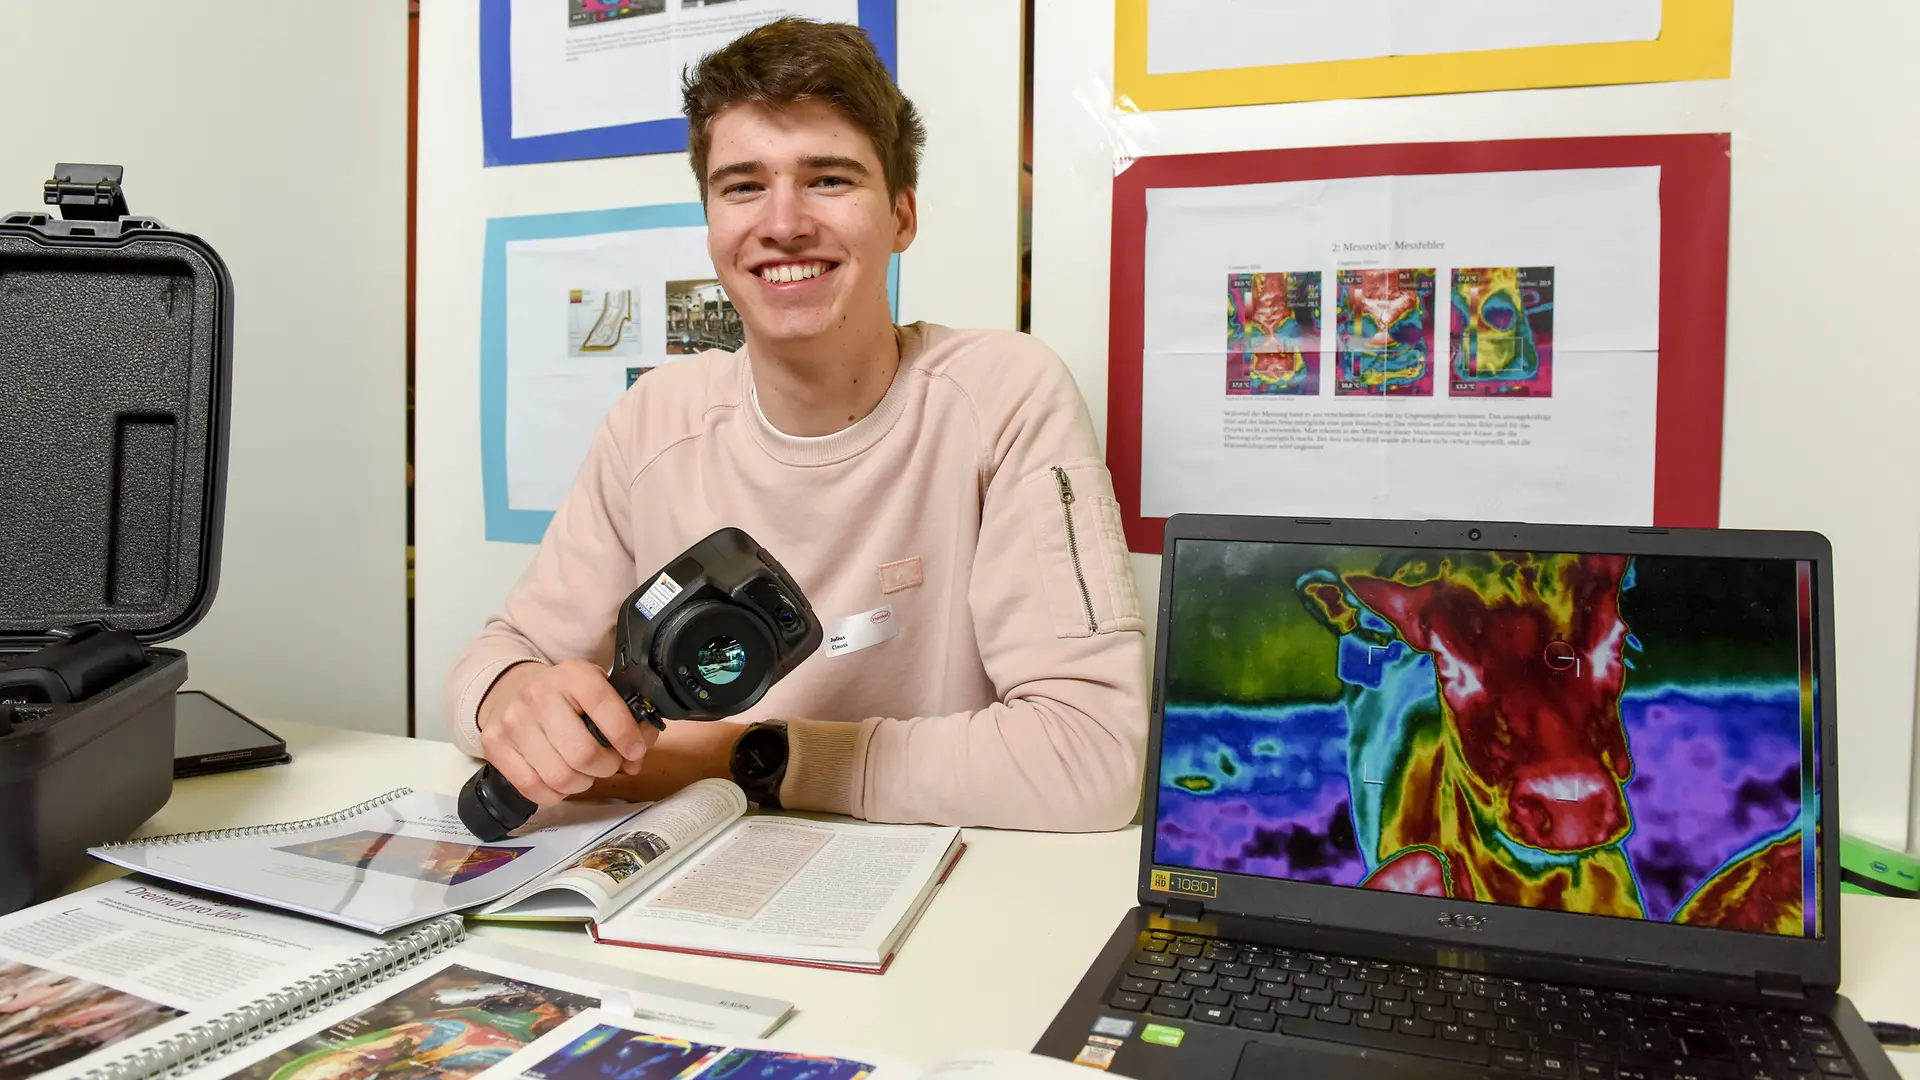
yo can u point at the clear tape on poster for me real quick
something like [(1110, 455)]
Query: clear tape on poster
[(1125, 131)]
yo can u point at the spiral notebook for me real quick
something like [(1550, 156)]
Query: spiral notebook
[(383, 864), (132, 979)]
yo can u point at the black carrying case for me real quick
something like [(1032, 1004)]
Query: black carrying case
[(115, 347)]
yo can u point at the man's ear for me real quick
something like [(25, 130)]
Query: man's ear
[(906, 220)]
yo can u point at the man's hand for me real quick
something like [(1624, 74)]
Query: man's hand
[(530, 729)]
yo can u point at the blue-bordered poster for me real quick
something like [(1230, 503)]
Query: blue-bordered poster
[(574, 309), (568, 79)]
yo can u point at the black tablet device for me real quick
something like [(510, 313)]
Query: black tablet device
[(210, 737)]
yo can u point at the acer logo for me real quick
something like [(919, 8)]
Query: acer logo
[(1463, 921)]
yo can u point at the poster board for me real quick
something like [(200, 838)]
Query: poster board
[(1173, 54), (1686, 176), (563, 80)]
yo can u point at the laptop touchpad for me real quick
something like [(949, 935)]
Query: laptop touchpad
[(1300, 1061)]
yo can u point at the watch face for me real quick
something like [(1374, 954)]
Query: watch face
[(760, 754)]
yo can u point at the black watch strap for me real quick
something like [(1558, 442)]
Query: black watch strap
[(759, 762)]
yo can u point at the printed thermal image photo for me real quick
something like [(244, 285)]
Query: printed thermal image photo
[(605, 1051), (1385, 333), (1618, 736), (1273, 333), (1501, 341), (602, 322), (48, 1019), (438, 861), (451, 1026), (593, 12), (700, 317)]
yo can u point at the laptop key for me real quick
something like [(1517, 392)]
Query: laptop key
[(1250, 1003), (1175, 991), (1185, 949), (1139, 986), (1170, 1007), (1234, 971), (1384, 1040), (1835, 1067), (1259, 960), (1357, 1002), (1316, 997), (1311, 982), (1195, 963), (1593, 1070), (1509, 1040), (1820, 1049), (1419, 1029), (1148, 971), (1511, 1059), (1276, 990), (1298, 1009), (1236, 986), (1131, 1002), (1213, 997), (1551, 1065), (1214, 1014), (1350, 986), (1198, 978), (1374, 1020), (1456, 1033), (1405, 1008), (1254, 1021), (1332, 1014)]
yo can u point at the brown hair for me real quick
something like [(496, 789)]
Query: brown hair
[(791, 60)]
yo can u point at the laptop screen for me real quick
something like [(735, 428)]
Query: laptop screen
[(1600, 734)]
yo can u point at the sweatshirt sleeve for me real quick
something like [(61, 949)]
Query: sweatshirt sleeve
[(1059, 629), (586, 552)]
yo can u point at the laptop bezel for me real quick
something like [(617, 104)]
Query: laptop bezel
[(1632, 944)]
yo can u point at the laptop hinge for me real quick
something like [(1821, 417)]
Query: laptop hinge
[(1183, 909), (1776, 984)]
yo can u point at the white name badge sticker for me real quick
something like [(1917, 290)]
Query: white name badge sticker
[(856, 632)]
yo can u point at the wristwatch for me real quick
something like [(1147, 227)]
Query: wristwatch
[(759, 762)]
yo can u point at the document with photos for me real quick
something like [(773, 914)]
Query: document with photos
[(597, 1044), (127, 962), (472, 1007), (386, 863)]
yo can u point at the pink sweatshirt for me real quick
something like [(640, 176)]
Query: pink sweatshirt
[(973, 500)]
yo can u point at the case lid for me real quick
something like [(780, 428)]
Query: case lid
[(116, 338)]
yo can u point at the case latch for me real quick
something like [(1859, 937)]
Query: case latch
[(87, 192)]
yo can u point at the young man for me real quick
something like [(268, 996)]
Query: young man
[(952, 475)]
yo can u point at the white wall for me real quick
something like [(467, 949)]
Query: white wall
[(1821, 388), (278, 134), (959, 63)]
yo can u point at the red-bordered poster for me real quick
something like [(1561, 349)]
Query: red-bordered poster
[(1528, 330)]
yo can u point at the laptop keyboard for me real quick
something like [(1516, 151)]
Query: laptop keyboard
[(1530, 1028)]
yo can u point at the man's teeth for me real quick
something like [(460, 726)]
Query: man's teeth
[(793, 271)]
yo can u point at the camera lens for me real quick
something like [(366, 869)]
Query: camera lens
[(1473, 534), (784, 614), (721, 660)]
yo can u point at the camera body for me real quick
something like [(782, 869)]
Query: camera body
[(708, 636), (703, 639)]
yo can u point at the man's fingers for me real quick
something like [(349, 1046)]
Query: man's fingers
[(546, 760), (568, 734), (602, 704), (510, 764)]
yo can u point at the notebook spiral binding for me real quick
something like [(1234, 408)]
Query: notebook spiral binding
[(232, 1030), (324, 821)]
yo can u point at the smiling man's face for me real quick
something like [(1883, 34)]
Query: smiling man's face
[(799, 222)]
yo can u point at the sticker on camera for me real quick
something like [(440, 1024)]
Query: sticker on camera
[(662, 592), (865, 630)]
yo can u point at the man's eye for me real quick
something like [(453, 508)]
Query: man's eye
[(834, 181), (741, 189)]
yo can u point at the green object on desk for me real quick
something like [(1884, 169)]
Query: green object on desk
[(1866, 867)]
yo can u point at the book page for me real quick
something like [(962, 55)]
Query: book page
[(99, 968), (599, 1044), (629, 859), (793, 888), (387, 866)]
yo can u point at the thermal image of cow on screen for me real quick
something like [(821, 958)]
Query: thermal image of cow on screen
[(1497, 731)]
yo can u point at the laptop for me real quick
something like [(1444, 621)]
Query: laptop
[(1465, 800)]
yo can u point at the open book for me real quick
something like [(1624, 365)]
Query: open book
[(691, 873), (598, 1044), (131, 979)]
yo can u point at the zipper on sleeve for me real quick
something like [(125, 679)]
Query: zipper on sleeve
[(1073, 545)]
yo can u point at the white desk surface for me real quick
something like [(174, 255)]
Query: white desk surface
[(1000, 949)]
